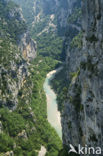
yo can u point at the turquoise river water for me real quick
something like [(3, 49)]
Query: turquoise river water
[(53, 114)]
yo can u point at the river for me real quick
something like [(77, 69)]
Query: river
[(53, 114)]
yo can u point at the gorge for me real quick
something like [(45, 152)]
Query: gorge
[(36, 38)]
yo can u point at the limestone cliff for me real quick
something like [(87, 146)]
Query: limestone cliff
[(51, 15), (17, 49), (27, 46), (83, 111)]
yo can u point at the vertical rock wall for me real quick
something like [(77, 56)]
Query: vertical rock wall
[(83, 111)]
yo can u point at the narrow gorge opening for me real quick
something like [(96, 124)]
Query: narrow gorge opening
[(50, 77)]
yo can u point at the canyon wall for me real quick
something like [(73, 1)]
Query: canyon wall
[(83, 110), (17, 49)]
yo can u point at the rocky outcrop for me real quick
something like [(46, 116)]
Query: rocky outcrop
[(83, 111), (19, 50), (40, 12), (11, 153), (27, 46), (23, 135), (1, 127), (66, 9), (42, 151)]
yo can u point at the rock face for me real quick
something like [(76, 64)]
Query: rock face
[(27, 46), (54, 13), (65, 8), (18, 50), (11, 153), (83, 111), (1, 127), (22, 135)]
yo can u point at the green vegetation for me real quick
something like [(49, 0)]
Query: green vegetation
[(34, 120), (75, 74), (8, 50), (77, 41), (69, 125), (44, 133), (75, 16), (59, 84), (49, 45), (43, 29), (13, 123), (92, 38), (8, 53), (27, 10), (41, 25), (90, 66), (93, 138), (76, 100), (11, 25), (25, 129), (6, 142)]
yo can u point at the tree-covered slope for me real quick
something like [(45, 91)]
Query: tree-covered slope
[(23, 118), (43, 26), (12, 23), (13, 63)]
